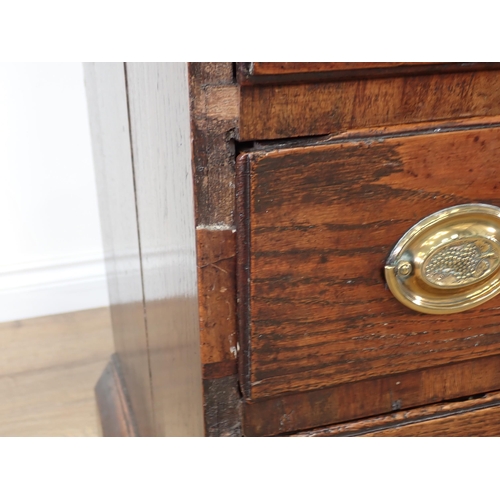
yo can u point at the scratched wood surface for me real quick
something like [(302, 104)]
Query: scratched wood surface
[(217, 302), (478, 423), (316, 345), (375, 396), (322, 220), (474, 416), (298, 110), (163, 142), (214, 119)]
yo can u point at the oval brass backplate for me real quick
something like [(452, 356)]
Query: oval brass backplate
[(449, 261)]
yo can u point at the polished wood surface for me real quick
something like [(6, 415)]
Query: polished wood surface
[(48, 369), (168, 176), (265, 73), (321, 222), (107, 98), (346, 402), (298, 110), (273, 68), (474, 416), (117, 418), (159, 105), (263, 301)]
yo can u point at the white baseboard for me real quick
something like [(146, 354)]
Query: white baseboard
[(52, 286)]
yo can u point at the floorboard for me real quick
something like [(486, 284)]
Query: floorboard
[(48, 369)]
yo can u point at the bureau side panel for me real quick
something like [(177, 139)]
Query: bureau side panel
[(161, 143), (107, 103)]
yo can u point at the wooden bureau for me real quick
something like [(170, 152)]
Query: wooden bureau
[(248, 211)]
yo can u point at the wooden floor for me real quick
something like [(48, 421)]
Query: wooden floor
[(48, 369)]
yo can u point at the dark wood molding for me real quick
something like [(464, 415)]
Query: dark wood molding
[(472, 417), (285, 111), (315, 409), (222, 405), (113, 404), (276, 73), (243, 269)]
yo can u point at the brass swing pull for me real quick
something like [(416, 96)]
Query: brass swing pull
[(449, 261)]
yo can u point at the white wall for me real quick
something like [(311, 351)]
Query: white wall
[(51, 256)]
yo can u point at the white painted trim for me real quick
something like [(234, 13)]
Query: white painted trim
[(52, 286)]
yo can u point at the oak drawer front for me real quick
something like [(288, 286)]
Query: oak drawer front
[(316, 227), (476, 423), (478, 417), (285, 110)]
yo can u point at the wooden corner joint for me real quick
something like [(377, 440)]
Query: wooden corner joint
[(222, 102)]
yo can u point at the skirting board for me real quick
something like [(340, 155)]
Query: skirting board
[(52, 287)]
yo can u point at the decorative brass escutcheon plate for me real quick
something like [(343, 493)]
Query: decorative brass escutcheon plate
[(449, 261)]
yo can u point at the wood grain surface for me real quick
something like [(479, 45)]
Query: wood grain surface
[(474, 423), (214, 106), (265, 73), (159, 105), (109, 120), (384, 395), (214, 101), (217, 302), (321, 340), (48, 369), (223, 407), (115, 412), (474, 416), (273, 68), (322, 220), (300, 110)]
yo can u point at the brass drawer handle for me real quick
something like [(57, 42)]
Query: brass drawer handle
[(449, 261)]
